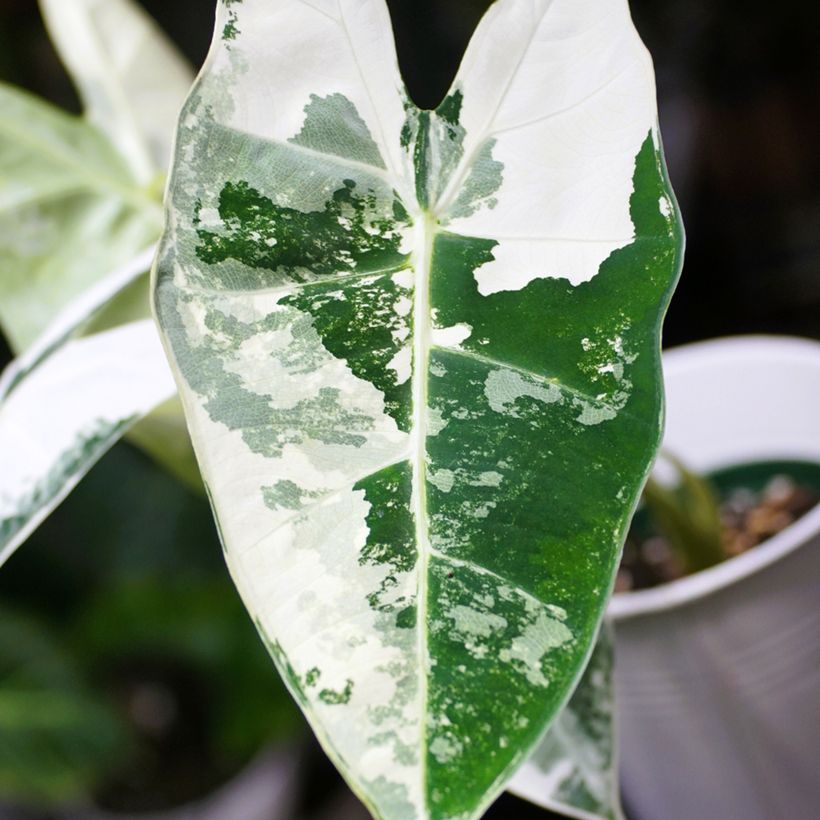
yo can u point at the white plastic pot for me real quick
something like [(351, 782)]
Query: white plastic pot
[(718, 674)]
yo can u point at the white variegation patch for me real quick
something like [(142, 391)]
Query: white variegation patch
[(538, 638), (504, 387), (565, 90), (346, 34), (450, 336)]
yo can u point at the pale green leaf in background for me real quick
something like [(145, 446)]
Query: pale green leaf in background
[(419, 357), (79, 198), (72, 319), (60, 412), (69, 213), (131, 78), (574, 769)]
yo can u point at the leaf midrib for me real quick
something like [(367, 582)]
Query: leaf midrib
[(422, 256)]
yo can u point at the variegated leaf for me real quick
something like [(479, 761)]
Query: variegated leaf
[(419, 357), (80, 197), (131, 78), (573, 771), (64, 403), (103, 384)]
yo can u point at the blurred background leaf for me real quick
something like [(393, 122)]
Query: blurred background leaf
[(58, 737)]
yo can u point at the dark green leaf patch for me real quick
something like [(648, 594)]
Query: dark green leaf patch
[(345, 237)]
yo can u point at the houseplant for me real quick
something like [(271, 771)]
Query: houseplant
[(724, 661), (318, 199), (356, 327)]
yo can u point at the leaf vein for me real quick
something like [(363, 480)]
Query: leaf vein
[(334, 493), (548, 380), (292, 290)]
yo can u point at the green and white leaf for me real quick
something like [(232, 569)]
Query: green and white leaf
[(574, 769), (103, 384), (78, 198), (419, 357), (131, 78), (70, 213)]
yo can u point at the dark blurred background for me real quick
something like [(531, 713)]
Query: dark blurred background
[(125, 585)]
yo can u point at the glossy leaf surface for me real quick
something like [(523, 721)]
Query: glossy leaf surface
[(419, 357)]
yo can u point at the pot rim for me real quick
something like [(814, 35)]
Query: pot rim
[(686, 590)]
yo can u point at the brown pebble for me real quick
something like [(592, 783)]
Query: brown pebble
[(765, 522), (802, 501), (737, 543)]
